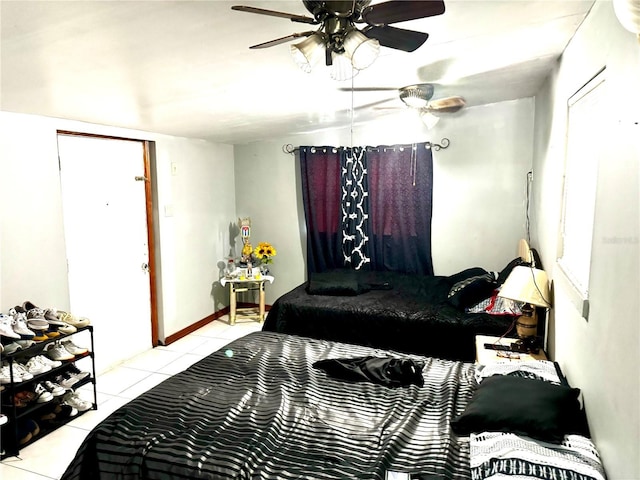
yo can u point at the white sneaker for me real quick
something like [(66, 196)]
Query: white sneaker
[(53, 388), (35, 367), (74, 400), (47, 361), (6, 327), (55, 351), (19, 369), (73, 349), (5, 375), (43, 394), (19, 325)]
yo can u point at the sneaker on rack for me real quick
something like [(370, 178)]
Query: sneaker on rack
[(76, 401), (20, 369), (67, 317), (51, 316), (6, 327), (53, 388), (12, 347), (24, 344), (43, 394), (3, 419), (73, 349), (35, 367), (48, 361), (55, 351), (66, 411), (5, 375), (76, 372), (66, 380), (19, 325)]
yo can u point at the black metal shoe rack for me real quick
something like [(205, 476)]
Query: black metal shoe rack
[(10, 440)]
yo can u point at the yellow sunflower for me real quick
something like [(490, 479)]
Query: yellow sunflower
[(264, 252)]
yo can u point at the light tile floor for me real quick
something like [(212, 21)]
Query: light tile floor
[(48, 457)]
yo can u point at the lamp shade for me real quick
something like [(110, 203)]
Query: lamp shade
[(429, 119), (361, 49), (528, 285), (341, 67), (308, 52)]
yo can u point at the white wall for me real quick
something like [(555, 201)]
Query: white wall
[(479, 186), (600, 356), (191, 241)]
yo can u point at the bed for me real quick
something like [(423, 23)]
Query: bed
[(427, 315), (268, 406)]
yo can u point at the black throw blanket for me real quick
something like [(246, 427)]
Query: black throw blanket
[(388, 371)]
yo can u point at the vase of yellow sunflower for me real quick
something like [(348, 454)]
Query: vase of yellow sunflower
[(264, 253)]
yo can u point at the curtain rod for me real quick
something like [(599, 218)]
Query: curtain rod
[(444, 143)]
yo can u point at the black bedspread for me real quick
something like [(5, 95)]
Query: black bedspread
[(258, 409), (412, 316)]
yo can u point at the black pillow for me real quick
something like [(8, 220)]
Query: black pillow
[(342, 282), (523, 406), (466, 274), (504, 273), (472, 290)]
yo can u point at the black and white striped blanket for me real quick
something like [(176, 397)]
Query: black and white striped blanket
[(257, 409)]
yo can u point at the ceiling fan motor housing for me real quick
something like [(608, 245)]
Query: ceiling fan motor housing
[(338, 8)]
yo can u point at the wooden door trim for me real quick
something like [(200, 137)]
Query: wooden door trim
[(149, 213)]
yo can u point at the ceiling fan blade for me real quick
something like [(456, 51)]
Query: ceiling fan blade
[(446, 105), (401, 11), (278, 41), (273, 13), (398, 38), (367, 89)]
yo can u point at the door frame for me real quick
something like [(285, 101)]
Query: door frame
[(146, 149)]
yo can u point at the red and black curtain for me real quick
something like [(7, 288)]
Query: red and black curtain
[(368, 207)]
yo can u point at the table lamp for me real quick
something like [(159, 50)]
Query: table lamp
[(531, 286)]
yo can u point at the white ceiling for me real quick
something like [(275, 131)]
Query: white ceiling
[(184, 67)]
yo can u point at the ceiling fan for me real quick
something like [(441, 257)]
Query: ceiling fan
[(340, 41), (419, 97)]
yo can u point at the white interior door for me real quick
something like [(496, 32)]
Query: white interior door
[(105, 224)]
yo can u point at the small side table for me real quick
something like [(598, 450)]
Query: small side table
[(251, 284), (485, 356)]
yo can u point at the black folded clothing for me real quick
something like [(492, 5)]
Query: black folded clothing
[(387, 371)]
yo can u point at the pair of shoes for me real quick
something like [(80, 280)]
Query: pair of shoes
[(34, 323), (35, 367), (51, 316), (6, 327), (77, 322), (76, 401), (55, 351), (53, 388), (24, 398), (73, 349), (41, 364), (72, 376), (42, 394), (18, 325), (27, 429), (57, 411), (20, 373), (37, 314)]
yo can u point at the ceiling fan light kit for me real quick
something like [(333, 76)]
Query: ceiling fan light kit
[(341, 41), (307, 54), (429, 119), (416, 96)]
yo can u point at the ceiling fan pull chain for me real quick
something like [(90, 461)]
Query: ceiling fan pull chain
[(414, 162)]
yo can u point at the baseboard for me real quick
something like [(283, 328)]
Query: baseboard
[(201, 323)]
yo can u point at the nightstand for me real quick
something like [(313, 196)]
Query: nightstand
[(485, 356), (252, 284)]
